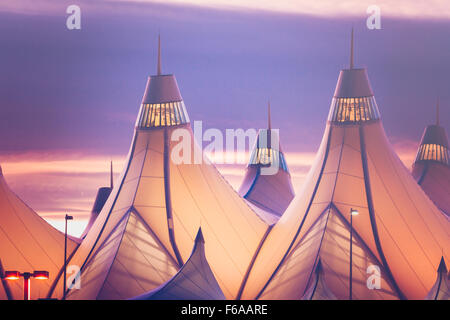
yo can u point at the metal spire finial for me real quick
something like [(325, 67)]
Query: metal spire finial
[(437, 112), (269, 126), (159, 55), (351, 52), (111, 176)]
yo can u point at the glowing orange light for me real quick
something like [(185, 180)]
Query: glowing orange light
[(41, 275), (12, 275)]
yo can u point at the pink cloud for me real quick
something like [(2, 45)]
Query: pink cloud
[(418, 9)]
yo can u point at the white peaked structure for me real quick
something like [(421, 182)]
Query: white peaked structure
[(194, 281), (147, 227), (432, 166), (397, 238), (441, 288), (100, 200), (27, 243), (269, 192)]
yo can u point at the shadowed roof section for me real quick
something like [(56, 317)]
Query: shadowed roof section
[(267, 181), (431, 168), (161, 89), (194, 281), (353, 83), (27, 243), (398, 228), (434, 179)]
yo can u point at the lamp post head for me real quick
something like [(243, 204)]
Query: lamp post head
[(354, 212), (12, 275), (69, 217), (41, 275)]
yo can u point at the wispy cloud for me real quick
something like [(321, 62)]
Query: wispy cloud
[(58, 162), (391, 8)]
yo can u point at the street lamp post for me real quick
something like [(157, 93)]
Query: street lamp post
[(353, 212), (26, 285), (16, 275), (67, 217)]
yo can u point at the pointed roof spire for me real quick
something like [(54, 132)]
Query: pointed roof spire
[(351, 52), (111, 176), (442, 267), (159, 55), (269, 126), (199, 237), (437, 112), (441, 288)]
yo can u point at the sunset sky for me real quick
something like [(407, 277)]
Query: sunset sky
[(69, 99)]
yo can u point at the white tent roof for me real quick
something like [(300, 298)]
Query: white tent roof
[(194, 281), (27, 243), (398, 228), (146, 230)]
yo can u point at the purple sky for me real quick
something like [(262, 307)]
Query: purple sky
[(78, 92)]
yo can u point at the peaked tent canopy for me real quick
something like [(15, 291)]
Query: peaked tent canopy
[(270, 191), (27, 243), (441, 288), (146, 230), (398, 229), (194, 281), (431, 168)]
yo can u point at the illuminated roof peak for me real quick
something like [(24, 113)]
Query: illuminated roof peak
[(162, 104), (353, 100), (434, 145), (353, 82), (435, 134)]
